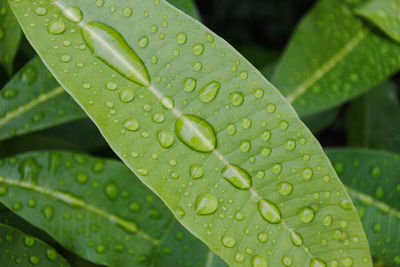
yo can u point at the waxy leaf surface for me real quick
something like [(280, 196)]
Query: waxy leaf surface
[(99, 210), (201, 127), (373, 181), (325, 63), (18, 249)]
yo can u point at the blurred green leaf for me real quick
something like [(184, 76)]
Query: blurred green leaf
[(333, 57), (318, 122), (373, 120), (33, 100), (220, 183), (18, 249), (10, 35), (373, 180), (383, 13), (98, 209)]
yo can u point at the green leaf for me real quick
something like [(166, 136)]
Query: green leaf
[(10, 35), (187, 6), (373, 181), (18, 249), (318, 122), (33, 100), (384, 14), (98, 209), (328, 60), (374, 119), (163, 93)]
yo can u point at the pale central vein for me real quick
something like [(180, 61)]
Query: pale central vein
[(30, 105), (178, 113), (78, 202), (328, 66), (210, 258)]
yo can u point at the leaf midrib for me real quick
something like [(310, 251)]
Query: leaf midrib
[(31, 105), (328, 66), (70, 200)]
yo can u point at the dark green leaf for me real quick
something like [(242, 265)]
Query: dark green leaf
[(384, 14), (227, 185), (374, 120), (373, 180), (33, 100), (330, 57), (98, 209), (10, 35), (18, 249)]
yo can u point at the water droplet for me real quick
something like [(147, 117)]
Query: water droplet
[(81, 178), (327, 220), (239, 256), (166, 138), (277, 168), (262, 237), (376, 171), (196, 172), (9, 93), (307, 173), (40, 11), (297, 240), (126, 95), (189, 84), (287, 261), (259, 93), (47, 212), (290, 144), (231, 129), (108, 45), (209, 91), (51, 254), (206, 204), (127, 11), (266, 135), (111, 191), (317, 263), (3, 190), (306, 215), (56, 27), (143, 41), (196, 133), (29, 241), (246, 123), (73, 14), (29, 169), (228, 241), (271, 108), (259, 261), (347, 262), (34, 259), (285, 188), (237, 176), (198, 49), (236, 98), (101, 249), (131, 125), (181, 38), (269, 211), (346, 204), (245, 146), (167, 102)]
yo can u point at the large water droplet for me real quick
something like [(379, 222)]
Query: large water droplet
[(259, 261), (206, 204), (269, 211), (72, 13), (285, 188), (228, 241), (317, 263), (108, 45), (209, 91), (237, 176), (306, 215), (56, 27), (189, 84), (196, 133), (165, 138), (297, 240)]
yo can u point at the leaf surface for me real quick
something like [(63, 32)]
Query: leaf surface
[(187, 6), (10, 35), (33, 100), (18, 249), (325, 63), (98, 209), (373, 120), (373, 180), (201, 127), (384, 14)]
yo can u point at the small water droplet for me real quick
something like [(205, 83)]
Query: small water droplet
[(209, 91), (189, 84), (236, 98), (262, 237), (239, 256), (285, 188), (126, 95), (181, 38), (166, 138), (81, 178), (269, 211), (56, 27), (111, 191), (29, 241), (73, 14), (277, 168), (131, 125), (327, 220), (198, 49), (40, 11), (290, 145), (34, 259), (51, 254), (317, 263), (228, 241), (245, 146), (143, 41), (237, 176), (259, 261), (196, 133), (196, 172), (167, 102), (29, 169), (346, 204), (347, 262), (127, 11), (297, 240), (101, 249), (307, 173), (306, 215), (231, 129), (47, 212), (206, 203)]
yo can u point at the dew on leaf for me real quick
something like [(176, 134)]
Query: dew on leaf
[(237, 176), (206, 203), (131, 125), (198, 49), (285, 188), (196, 172), (72, 13), (269, 211), (167, 102), (317, 263), (40, 11), (56, 27), (126, 95), (228, 241), (236, 98), (306, 215), (181, 38), (111, 191), (47, 212), (165, 138), (296, 238), (259, 261), (189, 84), (209, 91), (262, 237)]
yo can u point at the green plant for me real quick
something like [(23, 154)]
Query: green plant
[(200, 127)]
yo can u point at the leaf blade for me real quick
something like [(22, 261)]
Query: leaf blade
[(135, 140)]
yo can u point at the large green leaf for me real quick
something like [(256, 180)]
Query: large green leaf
[(374, 119), (383, 13), (373, 180), (333, 57), (18, 249), (201, 127), (33, 100), (98, 209), (10, 35)]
